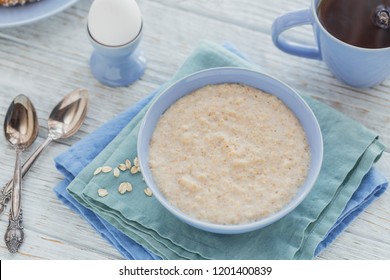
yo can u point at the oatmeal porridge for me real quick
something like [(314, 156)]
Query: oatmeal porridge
[(229, 154)]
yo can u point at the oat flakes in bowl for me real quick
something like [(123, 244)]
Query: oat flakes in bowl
[(229, 150)]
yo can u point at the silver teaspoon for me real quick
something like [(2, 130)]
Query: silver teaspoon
[(64, 121), (21, 130)]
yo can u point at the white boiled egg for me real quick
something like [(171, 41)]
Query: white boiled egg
[(114, 22)]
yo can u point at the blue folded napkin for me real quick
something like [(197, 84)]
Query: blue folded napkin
[(80, 155), (72, 162)]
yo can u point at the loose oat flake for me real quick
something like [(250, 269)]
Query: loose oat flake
[(116, 172), (125, 187), (102, 192), (134, 169), (106, 169), (97, 171), (128, 163), (148, 192), (136, 162), (122, 166)]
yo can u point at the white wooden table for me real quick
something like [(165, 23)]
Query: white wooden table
[(49, 58)]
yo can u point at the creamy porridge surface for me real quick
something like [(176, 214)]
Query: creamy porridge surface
[(229, 154)]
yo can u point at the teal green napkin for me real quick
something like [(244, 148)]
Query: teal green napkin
[(349, 152)]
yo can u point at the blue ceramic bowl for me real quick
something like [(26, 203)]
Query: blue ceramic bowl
[(250, 78)]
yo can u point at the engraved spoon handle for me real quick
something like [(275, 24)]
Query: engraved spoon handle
[(5, 193), (14, 234)]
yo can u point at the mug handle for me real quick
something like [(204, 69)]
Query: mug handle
[(287, 21)]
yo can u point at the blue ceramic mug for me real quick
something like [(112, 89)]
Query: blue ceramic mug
[(355, 66)]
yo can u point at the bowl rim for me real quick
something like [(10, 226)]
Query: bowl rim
[(208, 226)]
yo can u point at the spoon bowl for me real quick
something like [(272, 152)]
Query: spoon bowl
[(20, 123), (68, 115), (20, 129)]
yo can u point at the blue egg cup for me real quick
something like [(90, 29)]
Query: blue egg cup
[(117, 66)]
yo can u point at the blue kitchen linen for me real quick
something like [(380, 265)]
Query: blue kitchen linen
[(82, 153)]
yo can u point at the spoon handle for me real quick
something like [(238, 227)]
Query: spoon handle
[(14, 234), (5, 193)]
